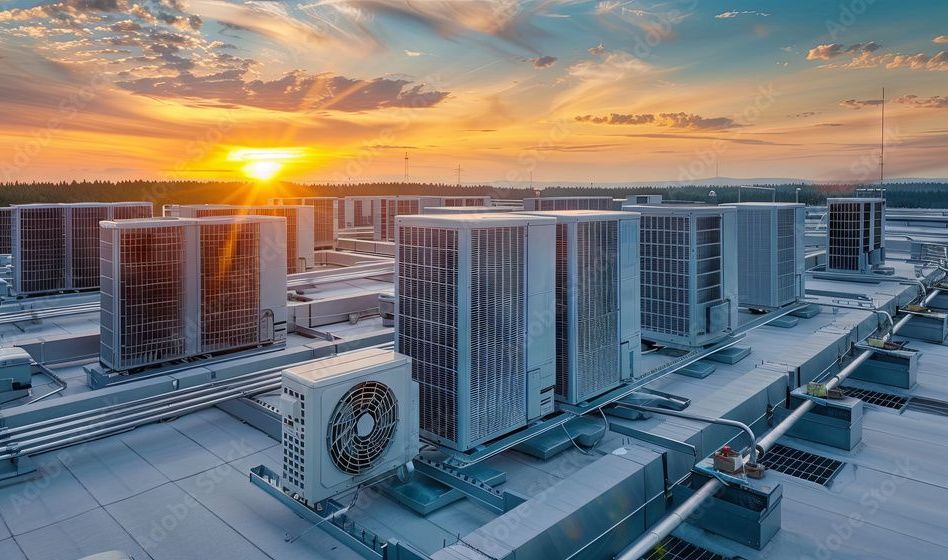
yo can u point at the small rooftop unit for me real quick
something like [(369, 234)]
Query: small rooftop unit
[(644, 199), (299, 226), (770, 249), (358, 212), (475, 312), (469, 209), (55, 247), (598, 330), (387, 208), (855, 235), (347, 420), (325, 216), (569, 203), (689, 273), (173, 288)]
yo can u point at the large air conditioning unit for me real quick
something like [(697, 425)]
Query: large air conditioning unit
[(387, 208), (6, 230), (469, 209), (347, 420), (325, 216), (770, 250), (475, 308), (689, 273), (358, 212), (174, 288), (569, 203), (855, 235), (55, 247), (299, 227), (598, 328), (464, 201)]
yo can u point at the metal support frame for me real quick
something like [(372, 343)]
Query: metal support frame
[(500, 501)]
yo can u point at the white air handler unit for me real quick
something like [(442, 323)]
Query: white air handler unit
[(175, 288), (598, 327), (689, 274), (387, 208), (770, 250), (298, 244), (475, 311), (326, 213), (855, 234), (569, 203), (347, 420)]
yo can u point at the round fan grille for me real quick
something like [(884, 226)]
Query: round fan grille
[(361, 426)]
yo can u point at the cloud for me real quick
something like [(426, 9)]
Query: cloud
[(941, 39), (734, 14), (918, 61), (413, 54), (804, 115), (543, 61), (832, 50), (597, 50), (294, 91), (934, 102), (859, 104), (614, 66), (685, 121)]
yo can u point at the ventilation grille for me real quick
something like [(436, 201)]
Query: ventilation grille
[(673, 548), (361, 427), (597, 321), (786, 256), (150, 301), (578, 203), (855, 229), (665, 261), (6, 225), (755, 230), (498, 298), (801, 464), (293, 262), (562, 311), (84, 245), (230, 286), (708, 252), (885, 400), (928, 406), (131, 211), (40, 250), (389, 209), (427, 322)]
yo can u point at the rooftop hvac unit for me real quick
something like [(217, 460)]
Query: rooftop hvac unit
[(389, 207), (174, 288), (347, 420), (855, 234), (465, 201), (569, 203), (475, 312), (325, 214), (468, 209), (56, 246), (644, 199), (299, 242), (689, 273), (358, 211), (598, 331), (6, 225), (770, 248)]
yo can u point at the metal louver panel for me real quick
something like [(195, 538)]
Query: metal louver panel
[(665, 266), (786, 256), (39, 249), (230, 285), (427, 322), (597, 318), (498, 384), (83, 223), (6, 223)]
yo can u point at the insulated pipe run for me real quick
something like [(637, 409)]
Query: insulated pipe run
[(697, 417), (663, 528)]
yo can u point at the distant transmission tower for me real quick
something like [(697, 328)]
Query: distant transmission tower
[(459, 174), (882, 144), (406, 167)]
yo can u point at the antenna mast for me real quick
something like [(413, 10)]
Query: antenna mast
[(406, 167), (459, 174)]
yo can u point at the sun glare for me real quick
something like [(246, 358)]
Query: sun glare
[(263, 164)]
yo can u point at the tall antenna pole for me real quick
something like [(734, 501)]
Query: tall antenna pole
[(406, 167), (882, 144), (459, 174)]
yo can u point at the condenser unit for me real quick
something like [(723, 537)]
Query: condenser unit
[(6, 227), (390, 207), (689, 273), (38, 239), (347, 420), (475, 312), (569, 203), (358, 211), (173, 288), (770, 250), (325, 216), (855, 235), (299, 227), (130, 210), (469, 209), (598, 332)]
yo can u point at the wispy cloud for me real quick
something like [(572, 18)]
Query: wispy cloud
[(941, 39), (832, 50), (918, 61), (734, 14), (859, 103), (543, 61), (686, 121), (934, 102)]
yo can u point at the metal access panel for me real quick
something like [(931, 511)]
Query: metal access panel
[(771, 242), (569, 203), (688, 273), (6, 226), (474, 311), (597, 326), (855, 234)]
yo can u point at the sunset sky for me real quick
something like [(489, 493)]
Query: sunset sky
[(609, 91)]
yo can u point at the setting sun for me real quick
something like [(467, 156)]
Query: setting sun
[(264, 164)]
